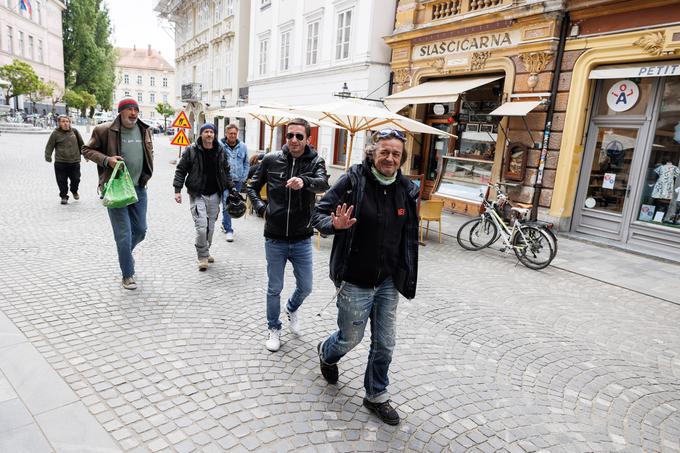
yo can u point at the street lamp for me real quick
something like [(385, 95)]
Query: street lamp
[(223, 102), (345, 93)]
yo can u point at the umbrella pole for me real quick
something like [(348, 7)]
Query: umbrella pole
[(349, 151), (271, 138)]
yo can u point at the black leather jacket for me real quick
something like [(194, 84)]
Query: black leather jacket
[(288, 211), (350, 189), (190, 167)]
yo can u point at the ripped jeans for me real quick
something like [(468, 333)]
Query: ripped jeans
[(355, 307)]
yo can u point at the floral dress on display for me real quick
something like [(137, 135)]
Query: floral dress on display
[(663, 188)]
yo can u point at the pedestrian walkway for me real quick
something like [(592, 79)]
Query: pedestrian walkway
[(642, 274), (490, 355)]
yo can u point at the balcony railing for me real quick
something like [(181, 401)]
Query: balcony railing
[(445, 9)]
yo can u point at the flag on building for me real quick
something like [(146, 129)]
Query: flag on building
[(26, 6)]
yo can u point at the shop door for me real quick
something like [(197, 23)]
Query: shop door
[(435, 147), (609, 176)]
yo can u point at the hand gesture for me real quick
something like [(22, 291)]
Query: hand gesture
[(178, 198), (295, 183), (342, 217)]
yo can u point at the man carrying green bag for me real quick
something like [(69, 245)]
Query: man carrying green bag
[(119, 191), (129, 139)]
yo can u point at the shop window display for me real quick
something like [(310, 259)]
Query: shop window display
[(608, 182), (661, 189)]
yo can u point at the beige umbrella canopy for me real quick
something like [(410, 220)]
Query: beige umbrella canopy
[(272, 115), (356, 115)]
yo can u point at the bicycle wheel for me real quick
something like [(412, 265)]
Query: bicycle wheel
[(477, 234), (533, 247)]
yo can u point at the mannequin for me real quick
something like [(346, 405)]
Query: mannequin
[(663, 188)]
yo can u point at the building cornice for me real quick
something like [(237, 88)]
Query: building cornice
[(316, 72)]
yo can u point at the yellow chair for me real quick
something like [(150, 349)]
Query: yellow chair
[(263, 197), (431, 210)]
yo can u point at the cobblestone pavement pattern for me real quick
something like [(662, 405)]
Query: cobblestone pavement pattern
[(490, 356)]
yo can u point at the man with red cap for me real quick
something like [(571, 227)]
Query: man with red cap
[(126, 139)]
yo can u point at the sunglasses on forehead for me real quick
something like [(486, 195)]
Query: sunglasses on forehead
[(298, 136), (387, 133)]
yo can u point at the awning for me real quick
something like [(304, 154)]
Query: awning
[(657, 69), (443, 91), (516, 108)]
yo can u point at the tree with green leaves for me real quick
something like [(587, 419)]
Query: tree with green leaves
[(89, 56), (56, 94), (73, 100), (22, 79), (166, 110)]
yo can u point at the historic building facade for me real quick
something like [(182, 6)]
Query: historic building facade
[(306, 52), (211, 53), (34, 36), (146, 76), (571, 104)]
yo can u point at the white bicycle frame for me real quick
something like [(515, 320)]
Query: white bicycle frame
[(505, 232)]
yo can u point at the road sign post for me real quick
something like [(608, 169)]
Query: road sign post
[(180, 139)]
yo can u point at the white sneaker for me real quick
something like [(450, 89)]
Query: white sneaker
[(230, 236), (274, 341), (293, 322)]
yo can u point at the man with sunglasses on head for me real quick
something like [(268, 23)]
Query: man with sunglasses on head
[(293, 177), (372, 210)]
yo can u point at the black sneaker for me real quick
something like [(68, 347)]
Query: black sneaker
[(384, 411), (329, 372)]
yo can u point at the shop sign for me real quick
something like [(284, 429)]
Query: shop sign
[(623, 95), (464, 44)]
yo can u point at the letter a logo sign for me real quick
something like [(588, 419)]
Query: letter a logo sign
[(623, 95), (180, 139), (181, 121)]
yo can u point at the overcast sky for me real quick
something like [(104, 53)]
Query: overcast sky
[(136, 23)]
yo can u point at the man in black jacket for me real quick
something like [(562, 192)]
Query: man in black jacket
[(205, 167), (374, 258), (293, 177)]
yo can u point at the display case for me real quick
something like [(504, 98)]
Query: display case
[(462, 183)]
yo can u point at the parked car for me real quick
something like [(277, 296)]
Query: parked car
[(102, 117)]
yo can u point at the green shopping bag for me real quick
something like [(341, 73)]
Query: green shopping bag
[(119, 190)]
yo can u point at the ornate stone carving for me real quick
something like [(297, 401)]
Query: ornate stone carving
[(438, 64), (652, 43), (535, 62), (479, 60), (402, 75)]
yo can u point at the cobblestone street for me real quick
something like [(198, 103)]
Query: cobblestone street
[(490, 356)]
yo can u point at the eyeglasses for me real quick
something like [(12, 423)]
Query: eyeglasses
[(387, 133), (298, 136)]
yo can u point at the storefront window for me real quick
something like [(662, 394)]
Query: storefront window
[(608, 182), (659, 201), (620, 97), (478, 130)]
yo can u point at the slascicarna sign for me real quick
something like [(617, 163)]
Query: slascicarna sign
[(464, 44)]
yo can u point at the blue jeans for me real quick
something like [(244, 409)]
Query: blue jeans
[(226, 218), (278, 252), (355, 307), (129, 229)]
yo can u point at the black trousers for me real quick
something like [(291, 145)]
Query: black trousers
[(65, 172)]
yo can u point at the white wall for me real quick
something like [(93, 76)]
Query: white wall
[(366, 70)]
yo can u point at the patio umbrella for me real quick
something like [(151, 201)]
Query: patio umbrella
[(356, 115), (272, 115)]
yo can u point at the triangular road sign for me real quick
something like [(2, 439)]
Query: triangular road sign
[(180, 139), (181, 121)]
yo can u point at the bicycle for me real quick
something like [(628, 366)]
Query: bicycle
[(534, 244)]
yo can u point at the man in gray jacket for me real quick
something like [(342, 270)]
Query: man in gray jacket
[(65, 143)]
